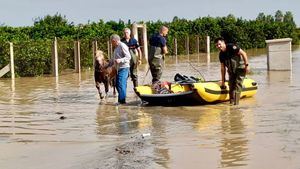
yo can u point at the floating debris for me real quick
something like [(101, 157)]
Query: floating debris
[(62, 117), (146, 135)]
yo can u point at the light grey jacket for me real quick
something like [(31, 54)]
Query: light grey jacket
[(122, 52)]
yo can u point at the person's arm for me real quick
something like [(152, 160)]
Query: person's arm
[(164, 45), (165, 49), (126, 53), (245, 58), (111, 61), (139, 55), (223, 72)]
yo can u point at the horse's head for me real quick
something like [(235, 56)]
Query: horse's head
[(99, 57)]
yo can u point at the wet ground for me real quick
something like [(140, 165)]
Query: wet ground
[(60, 123)]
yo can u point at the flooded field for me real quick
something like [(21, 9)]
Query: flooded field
[(60, 123)]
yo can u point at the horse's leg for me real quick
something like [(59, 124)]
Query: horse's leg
[(99, 90), (114, 86), (112, 83), (106, 85)]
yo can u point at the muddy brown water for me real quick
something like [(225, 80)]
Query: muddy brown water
[(60, 123)]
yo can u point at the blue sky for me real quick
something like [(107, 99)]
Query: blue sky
[(23, 12)]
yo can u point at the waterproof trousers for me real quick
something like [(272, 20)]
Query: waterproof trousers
[(133, 69), (155, 64), (236, 85)]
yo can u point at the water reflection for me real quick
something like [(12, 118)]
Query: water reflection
[(173, 137), (277, 77), (122, 120), (228, 125), (159, 132), (234, 143), (209, 118)]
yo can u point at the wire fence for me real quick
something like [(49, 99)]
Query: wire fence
[(33, 58)]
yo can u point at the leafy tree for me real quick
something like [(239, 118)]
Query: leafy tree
[(261, 17), (278, 16), (51, 26), (229, 30), (289, 19)]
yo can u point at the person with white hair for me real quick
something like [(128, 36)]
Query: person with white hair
[(136, 55), (121, 57)]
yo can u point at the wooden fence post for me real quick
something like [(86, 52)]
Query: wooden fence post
[(108, 49), (95, 48), (77, 56), (54, 58), (111, 49), (145, 41), (187, 45), (175, 49), (198, 47), (11, 66), (12, 63), (208, 48)]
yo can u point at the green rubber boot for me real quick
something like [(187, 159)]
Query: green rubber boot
[(237, 96)]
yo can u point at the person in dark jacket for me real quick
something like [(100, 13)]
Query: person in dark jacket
[(235, 60), (136, 55), (158, 48)]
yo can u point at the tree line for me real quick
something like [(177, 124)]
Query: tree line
[(249, 33), (37, 38)]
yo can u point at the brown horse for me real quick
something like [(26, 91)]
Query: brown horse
[(104, 74)]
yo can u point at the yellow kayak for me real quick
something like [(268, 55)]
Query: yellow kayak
[(192, 93)]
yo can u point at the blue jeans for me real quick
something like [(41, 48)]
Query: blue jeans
[(121, 84)]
